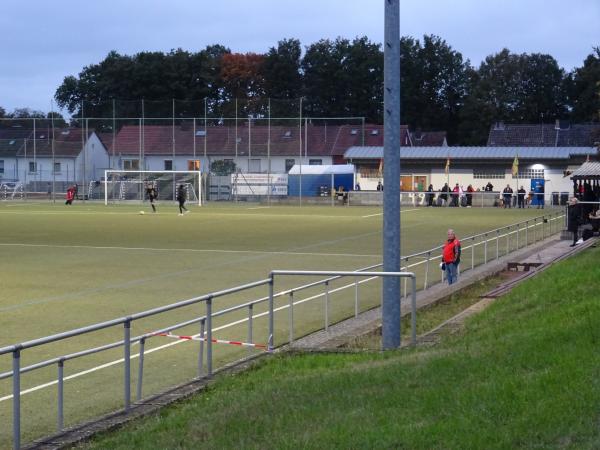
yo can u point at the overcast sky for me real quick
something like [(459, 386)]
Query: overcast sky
[(45, 41)]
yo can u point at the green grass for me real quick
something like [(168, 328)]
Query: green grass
[(522, 374), (65, 268)]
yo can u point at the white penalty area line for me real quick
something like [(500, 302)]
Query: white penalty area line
[(189, 250), (381, 214)]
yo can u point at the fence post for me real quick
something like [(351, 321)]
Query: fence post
[(497, 244), (526, 233), (271, 322), (291, 316), (485, 248), (426, 271), (201, 349), (356, 308), (127, 364), (327, 306), (60, 395), (140, 369), (250, 334), (209, 336), (413, 311), (472, 253), (16, 365), (508, 240), (517, 236), (534, 229)]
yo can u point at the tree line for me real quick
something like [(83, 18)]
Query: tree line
[(440, 89)]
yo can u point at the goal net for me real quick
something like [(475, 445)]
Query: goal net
[(132, 185)]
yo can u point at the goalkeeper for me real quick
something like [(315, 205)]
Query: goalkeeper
[(151, 193), (181, 198)]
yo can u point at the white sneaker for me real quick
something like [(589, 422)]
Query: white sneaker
[(580, 241), (187, 211), (180, 214)]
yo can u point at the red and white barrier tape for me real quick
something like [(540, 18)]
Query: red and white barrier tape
[(216, 341)]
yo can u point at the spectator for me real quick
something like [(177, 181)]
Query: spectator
[(470, 191), (573, 219), (451, 257), (521, 197), (489, 187), (507, 196), (379, 186), (430, 195), (455, 195)]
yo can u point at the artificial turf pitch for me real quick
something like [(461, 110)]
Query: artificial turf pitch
[(67, 267)]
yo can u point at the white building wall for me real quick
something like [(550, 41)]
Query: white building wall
[(10, 172), (92, 161)]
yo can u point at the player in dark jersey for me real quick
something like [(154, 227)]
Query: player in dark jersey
[(151, 193), (181, 198)]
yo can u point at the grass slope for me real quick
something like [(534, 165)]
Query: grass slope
[(524, 374)]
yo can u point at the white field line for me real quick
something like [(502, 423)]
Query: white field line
[(156, 249), (259, 207), (237, 322), (381, 214)]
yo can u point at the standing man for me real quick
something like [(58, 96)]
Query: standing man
[(573, 219), (181, 197), (451, 257), (430, 195), (151, 193), (521, 197), (507, 194)]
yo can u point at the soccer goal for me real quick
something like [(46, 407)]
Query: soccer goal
[(131, 185)]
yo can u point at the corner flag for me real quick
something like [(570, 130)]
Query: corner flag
[(515, 166)]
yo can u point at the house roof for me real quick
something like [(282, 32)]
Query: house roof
[(11, 140), (316, 140), (472, 153), (428, 138), (546, 135), (588, 170)]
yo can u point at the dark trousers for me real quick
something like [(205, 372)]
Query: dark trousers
[(181, 206), (521, 201)]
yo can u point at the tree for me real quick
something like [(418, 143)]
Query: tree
[(282, 77), (242, 78), (435, 82), (222, 167), (583, 88), (512, 88)]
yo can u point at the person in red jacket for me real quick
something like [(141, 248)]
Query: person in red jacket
[(451, 257), (70, 196)]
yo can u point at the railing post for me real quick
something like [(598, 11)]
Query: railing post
[(508, 240), (534, 229), (209, 336), (472, 253), (327, 306), (526, 233), (497, 244), (127, 363), (291, 316), (201, 349), (413, 312), (250, 333), (518, 236), (426, 271), (356, 308), (271, 340), (485, 245), (61, 378), (16, 366), (140, 379)]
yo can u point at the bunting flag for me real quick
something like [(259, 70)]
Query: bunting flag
[(588, 158), (380, 167), (515, 167), (447, 169)]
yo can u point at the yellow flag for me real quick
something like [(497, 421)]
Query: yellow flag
[(447, 169), (380, 167), (515, 167)]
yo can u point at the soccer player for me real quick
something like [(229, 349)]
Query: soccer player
[(151, 193), (181, 197), (70, 196)]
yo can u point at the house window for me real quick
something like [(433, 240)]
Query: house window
[(131, 164), (315, 162), (289, 163), (32, 167), (56, 167), (1, 166), (193, 164), (168, 164), (484, 174), (531, 173)]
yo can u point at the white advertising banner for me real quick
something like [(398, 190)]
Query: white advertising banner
[(259, 184)]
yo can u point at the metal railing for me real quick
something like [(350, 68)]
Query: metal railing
[(523, 234)]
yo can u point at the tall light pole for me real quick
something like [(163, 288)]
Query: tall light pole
[(391, 176)]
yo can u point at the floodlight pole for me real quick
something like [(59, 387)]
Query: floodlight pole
[(391, 175)]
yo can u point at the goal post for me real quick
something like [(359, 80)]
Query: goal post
[(131, 185)]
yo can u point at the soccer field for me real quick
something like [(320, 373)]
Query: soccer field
[(67, 267)]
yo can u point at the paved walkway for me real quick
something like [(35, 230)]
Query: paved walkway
[(544, 253)]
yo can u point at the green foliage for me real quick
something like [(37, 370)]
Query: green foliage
[(222, 167)]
